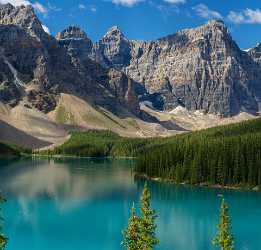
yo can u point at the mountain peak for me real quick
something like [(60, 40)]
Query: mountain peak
[(216, 22), (72, 32), (215, 25), (114, 31), (23, 16)]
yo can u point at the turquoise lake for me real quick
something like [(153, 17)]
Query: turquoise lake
[(83, 204)]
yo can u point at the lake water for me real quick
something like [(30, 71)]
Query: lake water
[(83, 204)]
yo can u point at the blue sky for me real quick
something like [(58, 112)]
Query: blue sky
[(150, 19)]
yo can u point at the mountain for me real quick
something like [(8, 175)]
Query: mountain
[(50, 85), (36, 67), (199, 69)]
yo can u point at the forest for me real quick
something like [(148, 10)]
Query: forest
[(94, 143), (227, 156)]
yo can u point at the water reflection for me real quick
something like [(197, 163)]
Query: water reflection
[(67, 182)]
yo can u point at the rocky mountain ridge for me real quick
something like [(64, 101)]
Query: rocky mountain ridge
[(199, 69), (36, 68)]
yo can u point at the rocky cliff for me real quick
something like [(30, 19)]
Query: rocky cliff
[(200, 68), (35, 67)]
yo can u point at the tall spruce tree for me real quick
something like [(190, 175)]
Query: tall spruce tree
[(3, 239), (132, 235), (224, 238), (147, 221), (141, 231)]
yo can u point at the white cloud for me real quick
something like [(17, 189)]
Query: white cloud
[(175, 1), (236, 17), (127, 3), (46, 29), (81, 6), (40, 8), (246, 16), (203, 11), (93, 9), (53, 7)]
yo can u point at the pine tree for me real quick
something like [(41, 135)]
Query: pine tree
[(3, 239), (132, 235), (147, 221), (224, 238), (141, 231)]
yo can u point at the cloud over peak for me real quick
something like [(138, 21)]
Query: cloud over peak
[(203, 11)]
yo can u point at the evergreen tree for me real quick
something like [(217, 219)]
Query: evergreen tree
[(147, 221), (141, 231), (3, 239), (224, 238), (132, 235)]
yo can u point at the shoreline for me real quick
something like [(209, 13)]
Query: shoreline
[(202, 185), (82, 157), (142, 176)]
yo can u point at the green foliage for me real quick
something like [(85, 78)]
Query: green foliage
[(227, 156), (92, 143), (95, 143), (147, 222), (3, 239), (132, 235), (141, 231), (224, 238)]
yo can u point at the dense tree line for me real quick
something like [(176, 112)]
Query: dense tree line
[(95, 143), (227, 155)]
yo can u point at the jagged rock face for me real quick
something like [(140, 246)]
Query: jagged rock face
[(36, 68), (115, 82), (199, 68), (23, 17), (23, 60), (255, 53), (124, 89), (76, 41), (113, 50)]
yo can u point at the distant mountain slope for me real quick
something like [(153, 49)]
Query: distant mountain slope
[(12, 135)]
